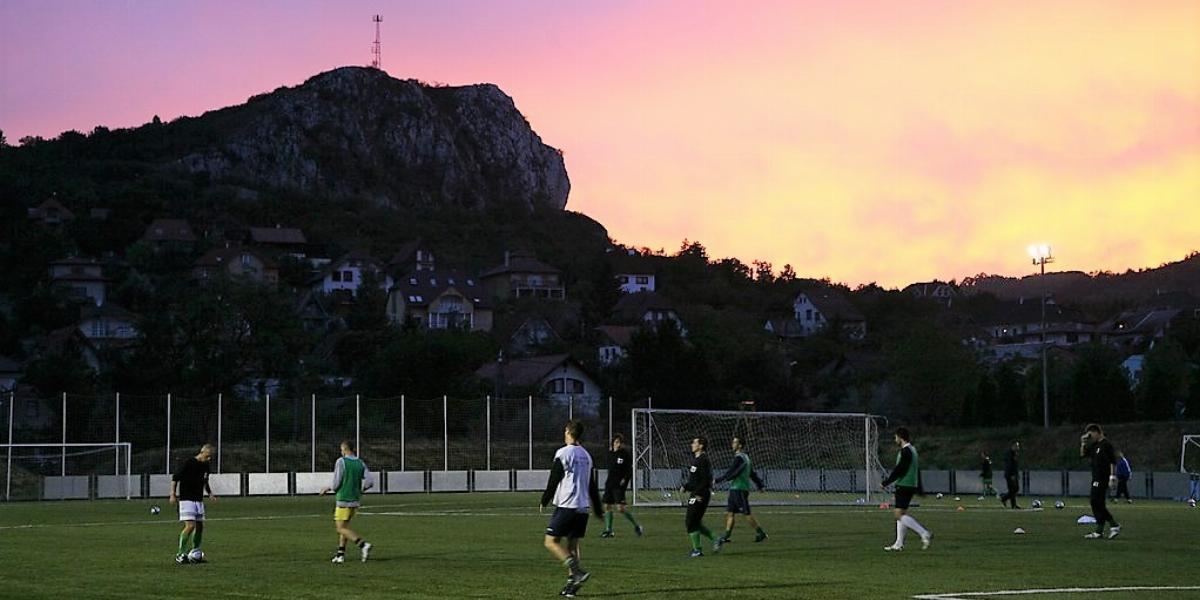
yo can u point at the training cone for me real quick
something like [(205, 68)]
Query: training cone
[(960, 509), (884, 505), (1019, 531)]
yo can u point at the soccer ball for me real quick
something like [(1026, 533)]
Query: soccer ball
[(196, 556), (154, 510), (939, 495), (1036, 504), (666, 495), (1059, 505), (957, 499)]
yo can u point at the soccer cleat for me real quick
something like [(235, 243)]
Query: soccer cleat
[(761, 537), (717, 544), (366, 551), (607, 534), (639, 530), (181, 559), (338, 559), (926, 540), (893, 548), (1095, 535), (697, 553), (569, 590), (1114, 531)]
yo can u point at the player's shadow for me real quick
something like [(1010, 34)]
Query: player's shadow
[(670, 590)]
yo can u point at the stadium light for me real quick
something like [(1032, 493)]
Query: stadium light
[(1040, 253)]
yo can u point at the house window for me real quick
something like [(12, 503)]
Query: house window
[(412, 281), (808, 315), (470, 283), (97, 329), (348, 276), (450, 281), (336, 276), (574, 386), (643, 280), (624, 279), (245, 260)]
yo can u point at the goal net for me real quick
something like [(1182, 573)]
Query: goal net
[(1189, 456), (804, 458), (67, 471)]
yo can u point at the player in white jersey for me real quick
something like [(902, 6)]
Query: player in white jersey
[(573, 491)]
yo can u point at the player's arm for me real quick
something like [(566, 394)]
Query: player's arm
[(336, 482), (594, 495), (175, 484), (208, 488), (1083, 446), (368, 477), (557, 472), (901, 467), (758, 482), (732, 471)]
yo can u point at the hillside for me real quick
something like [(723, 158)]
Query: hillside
[(1074, 287)]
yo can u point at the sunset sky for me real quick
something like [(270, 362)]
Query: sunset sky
[(860, 140)]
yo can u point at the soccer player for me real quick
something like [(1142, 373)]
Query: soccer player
[(1123, 472), (739, 475), (349, 475), (620, 473), (1093, 444), (985, 475), (1012, 475), (699, 488), (907, 476), (188, 485), (572, 488)]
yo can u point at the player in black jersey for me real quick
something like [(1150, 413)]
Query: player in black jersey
[(1094, 445), (699, 488), (620, 473)]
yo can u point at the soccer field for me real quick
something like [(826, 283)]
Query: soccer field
[(490, 546)]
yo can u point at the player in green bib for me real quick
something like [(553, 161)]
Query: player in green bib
[(349, 475), (907, 477), (739, 475)]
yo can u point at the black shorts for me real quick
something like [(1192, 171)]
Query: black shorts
[(614, 494), (568, 523), (696, 507), (904, 496), (738, 502)]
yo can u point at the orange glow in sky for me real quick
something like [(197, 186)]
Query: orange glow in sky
[(862, 140)]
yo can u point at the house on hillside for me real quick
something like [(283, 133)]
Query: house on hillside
[(1138, 327), (346, 274), (440, 300), (1133, 366), (813, 310), (11, 372), (412, 257), (108, 325), (614, 342), (633, 272), (941, 292), (236, 262), (173, 233), (82, 277), (524, 276), (533, 335), (51, 212), (280, 240), (557, 377), (646, 309), (1015, 328)]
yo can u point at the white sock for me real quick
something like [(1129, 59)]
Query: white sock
[(912, 524), (899, 534)]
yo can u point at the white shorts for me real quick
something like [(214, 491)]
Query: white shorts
[(191, 511)]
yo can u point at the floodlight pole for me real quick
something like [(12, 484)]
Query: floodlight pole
[(1041, 256)]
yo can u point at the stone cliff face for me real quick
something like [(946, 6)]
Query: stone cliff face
[(358, 132)]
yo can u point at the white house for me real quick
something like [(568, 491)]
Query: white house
[(108, 323), (440, 300), (83, 278), (814, 310), (347, 273), (633, 273), (557, 377), (1133, 369), (646, 308), (614, 343)]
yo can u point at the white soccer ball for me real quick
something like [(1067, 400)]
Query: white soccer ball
[(196, 555), (939, 495), (957, 499), (1036, 504), (154, 510), (666, 495), (1060, 505)]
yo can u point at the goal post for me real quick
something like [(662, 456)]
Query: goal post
[(804, 458), (57, 471), (1189, 455)]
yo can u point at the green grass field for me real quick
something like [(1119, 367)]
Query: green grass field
[(490, 546)]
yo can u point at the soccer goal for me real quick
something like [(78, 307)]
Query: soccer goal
[(68, 471), (804, 458), (1189, 455)]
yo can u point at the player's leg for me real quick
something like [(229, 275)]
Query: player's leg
[(185, 541), (897, 513), (637, 528), (608, 518), (906, 520)]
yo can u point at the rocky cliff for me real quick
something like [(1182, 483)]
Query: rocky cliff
[(358, 132)]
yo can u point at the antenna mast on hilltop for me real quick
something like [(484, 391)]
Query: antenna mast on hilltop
[(376, 48)]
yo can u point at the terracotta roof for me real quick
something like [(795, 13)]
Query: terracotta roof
[(169, 230), (277, 235), (523, 372)]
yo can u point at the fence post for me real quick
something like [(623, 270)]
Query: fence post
[(489, 432), (357, 424), (64, 435), (531, 433), (8, 472), (610, 424), (570, 407), (268, 420), (117, 450), (650, 437), (401, 432), (312, 430), (445, 436), (167, 469), (220, 397)]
